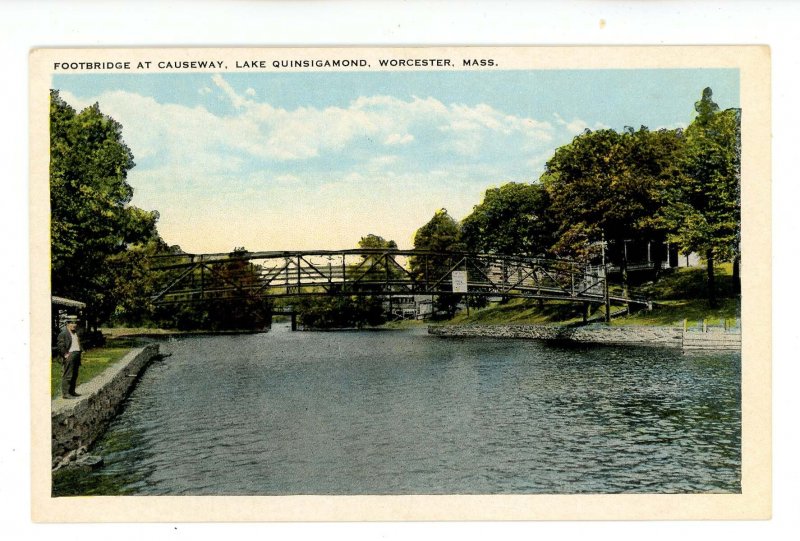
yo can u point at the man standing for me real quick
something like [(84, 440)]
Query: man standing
[(69, 348)]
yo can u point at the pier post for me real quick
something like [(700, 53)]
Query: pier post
[(294, 321)]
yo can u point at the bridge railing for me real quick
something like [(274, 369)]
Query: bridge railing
[(373, 271)]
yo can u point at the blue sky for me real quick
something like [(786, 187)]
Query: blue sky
[(275, 161)]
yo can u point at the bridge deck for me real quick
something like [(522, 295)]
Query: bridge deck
[(389, 273)]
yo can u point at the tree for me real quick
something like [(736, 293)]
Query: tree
[(378, 266), (239, 307), (609, 184), (379, 270), (513, 219), (222, 295), (135, 282), (91, 221), (338, 310), (703, 208), (376, 242), (442, 235)]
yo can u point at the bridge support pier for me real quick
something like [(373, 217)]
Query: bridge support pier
[(294, 321)]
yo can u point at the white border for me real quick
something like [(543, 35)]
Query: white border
[(87, 23)]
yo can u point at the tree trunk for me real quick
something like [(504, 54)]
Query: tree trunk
[(712, 295), (657, 263), (737, 281), (624, 270)]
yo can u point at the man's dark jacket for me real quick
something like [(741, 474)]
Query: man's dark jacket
[(64, 341)]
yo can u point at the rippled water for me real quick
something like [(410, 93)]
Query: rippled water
[(401, 412)]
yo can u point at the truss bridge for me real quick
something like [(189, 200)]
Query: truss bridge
[(190, 278)]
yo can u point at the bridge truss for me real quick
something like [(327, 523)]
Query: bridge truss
[(389, 273)]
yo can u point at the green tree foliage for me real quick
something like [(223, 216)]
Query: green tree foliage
[(230, 299), (376, 242), (609, 184), (340, 311), (703, 209), (513, 219), (346, 311), (241, 307), (135, 282), (378, 266), (442, 235), (91, 221)]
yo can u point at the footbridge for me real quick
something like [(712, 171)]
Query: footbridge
[(384, 272)]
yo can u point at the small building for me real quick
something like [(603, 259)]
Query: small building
[(410, 306), (647, 255), (60, 308)]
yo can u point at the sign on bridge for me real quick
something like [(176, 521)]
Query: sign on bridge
[(459, 279)]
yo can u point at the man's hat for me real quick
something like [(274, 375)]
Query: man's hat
[(71, 319)]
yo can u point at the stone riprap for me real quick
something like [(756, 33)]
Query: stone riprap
[(589, 334), (712, 339), (77, 423)]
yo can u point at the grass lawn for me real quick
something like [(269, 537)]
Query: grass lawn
[(404, 324), (672, 313), (93, 362), (520, 312), (682, 294), (676, 296)]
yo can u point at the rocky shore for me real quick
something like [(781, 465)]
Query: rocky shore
[(589, 334)]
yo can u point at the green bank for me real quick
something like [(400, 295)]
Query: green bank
[(678, 295)]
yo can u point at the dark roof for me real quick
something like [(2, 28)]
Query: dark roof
[(61, 301)]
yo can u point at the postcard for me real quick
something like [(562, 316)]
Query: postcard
[(416, 283)]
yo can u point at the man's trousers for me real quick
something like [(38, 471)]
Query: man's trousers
[(69, 376)]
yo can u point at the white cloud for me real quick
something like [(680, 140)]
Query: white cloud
[(306, 132), (398, 139), (578, 126), (272, 178), (235, 99), (381, 163), (250, 91)]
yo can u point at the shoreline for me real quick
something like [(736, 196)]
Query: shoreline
[(76, 424), (631, 335), (709, 339), (114, 333)]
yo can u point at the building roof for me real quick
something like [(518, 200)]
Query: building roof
[(61, 301)]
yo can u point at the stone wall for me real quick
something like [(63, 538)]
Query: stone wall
[(77, 423), (589, 334)]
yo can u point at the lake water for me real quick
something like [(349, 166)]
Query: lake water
[(402, 412)]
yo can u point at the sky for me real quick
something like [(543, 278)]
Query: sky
[(313, 160)]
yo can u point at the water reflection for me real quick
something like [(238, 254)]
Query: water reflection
[(406, 413)]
